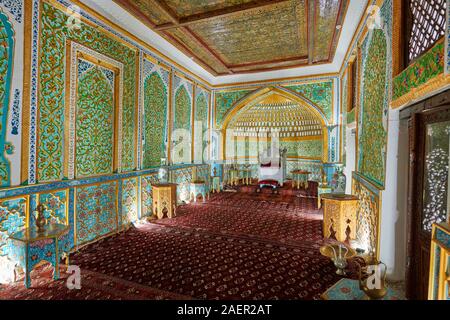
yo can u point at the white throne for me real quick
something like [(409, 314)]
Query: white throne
[(273, 167)]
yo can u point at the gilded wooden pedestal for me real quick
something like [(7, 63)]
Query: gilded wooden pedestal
[(164, 200), (339, 216)]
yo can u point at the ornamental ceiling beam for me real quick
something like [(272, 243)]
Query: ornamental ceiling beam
[(162, 6), (205, 16)]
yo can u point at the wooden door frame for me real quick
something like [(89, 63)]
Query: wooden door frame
[(430, 110)]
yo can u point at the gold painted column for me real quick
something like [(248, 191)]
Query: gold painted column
[(339, 216)]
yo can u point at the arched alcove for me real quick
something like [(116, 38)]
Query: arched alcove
[(275, 112)]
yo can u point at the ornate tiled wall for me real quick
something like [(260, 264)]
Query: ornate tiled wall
[(92, 207), (97, 114), (129, 199), (13, 217), (375, 84), (55, 41), (11, 89), (306, 149), (374, 77), (319, 93), (225, 101), (84, 77), (201, 137), (156, 105), (96, 212)]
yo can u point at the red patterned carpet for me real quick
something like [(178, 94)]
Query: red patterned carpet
[(94, 286), (237, 246), (255, 216)]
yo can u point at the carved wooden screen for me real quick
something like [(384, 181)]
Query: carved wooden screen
[(425, 24), (353, 84)]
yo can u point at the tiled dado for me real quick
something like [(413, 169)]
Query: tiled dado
[(93, 207)]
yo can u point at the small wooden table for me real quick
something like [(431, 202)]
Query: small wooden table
[(198, 187), (347, 289), (339, 216), (300, 178), (31, 247), (164, 200)]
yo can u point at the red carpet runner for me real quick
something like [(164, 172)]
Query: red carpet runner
[(238, 246)]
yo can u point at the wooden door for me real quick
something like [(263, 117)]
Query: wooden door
[(428, 201)]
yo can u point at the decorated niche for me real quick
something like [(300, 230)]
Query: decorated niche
[(182, 121), (275, 115), (200, 138), (49, 156), (95, 109), (6, 69), (155, 119)]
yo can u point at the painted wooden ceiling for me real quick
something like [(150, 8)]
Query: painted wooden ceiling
[(242, 36)]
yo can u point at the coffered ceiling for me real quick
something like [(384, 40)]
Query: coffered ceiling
[(242, 36)]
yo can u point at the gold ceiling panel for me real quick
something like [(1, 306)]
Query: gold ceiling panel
[(243, 39), (188, 8), (241, 36), (189, 44), (326, 15)]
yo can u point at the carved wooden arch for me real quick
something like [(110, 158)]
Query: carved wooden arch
[(259, 95)]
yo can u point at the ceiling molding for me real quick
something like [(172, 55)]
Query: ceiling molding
[(235, 73)]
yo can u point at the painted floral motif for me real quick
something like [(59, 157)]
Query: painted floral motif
[(12, 219), (15, 7), (96, 212), (201, 114), (225, 101), (129, 202), (56, 203), (428, 66), (6, 56), (155, 110), (373, 134), (94, 124), (53, 40), (308, 149), (320, 93), (182, 109)]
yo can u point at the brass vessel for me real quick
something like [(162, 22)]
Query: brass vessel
[(372, 279), (339, 254), (40, 218)]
